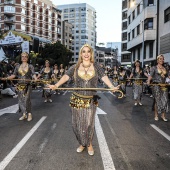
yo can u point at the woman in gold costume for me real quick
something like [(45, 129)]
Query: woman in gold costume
[(83, 102), (24, 72), (158, 75)]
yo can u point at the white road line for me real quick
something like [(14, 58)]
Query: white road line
[(105, 153), (17, 148), (10, 109), (112, 94), (161, 132), (65, 92)]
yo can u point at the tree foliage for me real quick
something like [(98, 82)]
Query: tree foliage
[(56, 53)]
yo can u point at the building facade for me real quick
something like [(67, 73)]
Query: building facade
[(164, 29), (67, 34), (141, 31), (125, 54), (33, 17), (106, 56), (83, 18)]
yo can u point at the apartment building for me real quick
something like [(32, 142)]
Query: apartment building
[(83, 18), (142, 27), (67, 34), (125, 54), (164, 29), (39, 18)]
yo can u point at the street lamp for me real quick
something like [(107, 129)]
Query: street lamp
[(143, 29)]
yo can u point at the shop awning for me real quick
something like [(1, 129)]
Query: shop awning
[(24, 36)]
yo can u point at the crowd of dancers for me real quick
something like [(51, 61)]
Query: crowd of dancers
[(86, 74)]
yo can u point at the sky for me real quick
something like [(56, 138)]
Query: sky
[(108, 18)]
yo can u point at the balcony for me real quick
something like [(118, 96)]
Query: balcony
[(6, 28), (9, 11), (9, 21), (149, 35), (11, 2), (150, 11)]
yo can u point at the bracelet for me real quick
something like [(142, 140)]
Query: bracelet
[(6, 78), (110, 87)]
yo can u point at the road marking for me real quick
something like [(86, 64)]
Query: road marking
[(10, 109), (65, 92), (17, 148), (104, 150), (112, 94), (100, 111), (161, 132), (45, 141)]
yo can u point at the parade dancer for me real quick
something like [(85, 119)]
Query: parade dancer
[(122, 77), (24, 72), (83, 103), (115, 76), (158, 75), (46, 74), (137, 74), (55, 75)]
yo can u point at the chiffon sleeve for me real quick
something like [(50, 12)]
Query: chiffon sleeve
[(70, 71), (152, 71), (16, 70), (32, 70), (100, 70)]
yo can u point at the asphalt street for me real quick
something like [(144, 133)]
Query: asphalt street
[(126, 136)]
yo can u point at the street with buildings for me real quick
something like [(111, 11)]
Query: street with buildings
[(128, 135)]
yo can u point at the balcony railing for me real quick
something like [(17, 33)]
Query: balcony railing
[(9, 11), (9, 20), (9, 2)]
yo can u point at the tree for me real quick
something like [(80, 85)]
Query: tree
[(57, 54)]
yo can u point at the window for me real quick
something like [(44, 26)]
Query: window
[(138, 29), (65, 10), (148, 23), (65, 16), (129, 19), (83, 9), (129, 36), (138, 53), (133, 15), (138, 9), (71, 15), (144, 57), (133, 33), (150, 2), (167, 15), (124, 46), (124, 25), (134, 55), (83, 15), (124, 36), (151, 50), (72, 9)]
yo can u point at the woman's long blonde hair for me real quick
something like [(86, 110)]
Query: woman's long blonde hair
[(80, 60)]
